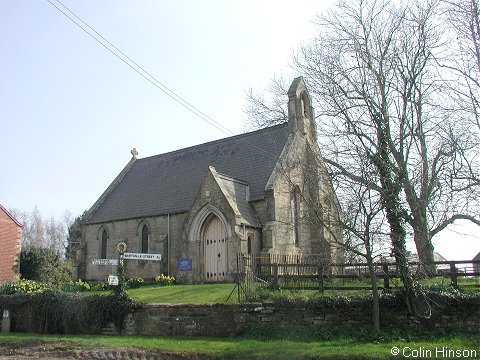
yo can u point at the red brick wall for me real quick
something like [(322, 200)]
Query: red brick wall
[(10, 233)]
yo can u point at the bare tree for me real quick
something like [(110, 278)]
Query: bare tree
[(262, 112), (463, 59), (33, 232), (381, 98), (56, 236), (364, 230), (41, 233)]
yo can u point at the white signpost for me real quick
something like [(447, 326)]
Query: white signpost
[(128, 256), (114, 280), (142, 256), (104, 262)]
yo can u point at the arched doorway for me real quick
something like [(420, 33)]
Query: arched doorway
[(215, 245)]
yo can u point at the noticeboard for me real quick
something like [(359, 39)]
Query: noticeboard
[(113, 280), (184, 264)]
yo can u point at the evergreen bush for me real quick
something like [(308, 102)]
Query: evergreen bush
[(44, 265)]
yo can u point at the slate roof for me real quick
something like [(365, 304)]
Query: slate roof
[(168, 183), (238, 192)]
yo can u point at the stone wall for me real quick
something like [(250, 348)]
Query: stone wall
[(129, 231), (221, 320), (224, 320)]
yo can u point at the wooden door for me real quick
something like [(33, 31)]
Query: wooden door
[(215, 251)]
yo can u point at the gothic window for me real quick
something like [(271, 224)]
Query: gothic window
[(104, 243), (305, 105), (144, 239), (249, 244), (295, 214)]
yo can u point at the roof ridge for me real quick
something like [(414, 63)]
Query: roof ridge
[(209, 143), (232, 178)]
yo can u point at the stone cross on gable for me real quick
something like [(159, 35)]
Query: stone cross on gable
[(134, 152)]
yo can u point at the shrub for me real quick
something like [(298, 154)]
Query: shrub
[(99, 285), (6, 288), (134, 283), (44, 265), (23, 286), (64, 313), (77, 286), (164, 280)]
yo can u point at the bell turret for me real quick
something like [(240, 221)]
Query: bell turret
[(301, 117)]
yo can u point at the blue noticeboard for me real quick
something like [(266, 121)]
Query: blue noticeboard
[(184, 264)]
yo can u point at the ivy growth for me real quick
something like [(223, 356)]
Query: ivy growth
[(66, 313)]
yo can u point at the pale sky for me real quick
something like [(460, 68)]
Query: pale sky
[(70, 111)]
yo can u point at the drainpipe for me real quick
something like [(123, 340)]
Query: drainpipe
[(168, 244)]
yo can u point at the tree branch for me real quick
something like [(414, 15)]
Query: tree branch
[(451, 220)]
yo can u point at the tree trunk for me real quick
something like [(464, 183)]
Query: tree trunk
[(398, 236), (375, 296), (391, 188), (425, 252)]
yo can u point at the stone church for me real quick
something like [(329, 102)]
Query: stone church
[(265, 191)]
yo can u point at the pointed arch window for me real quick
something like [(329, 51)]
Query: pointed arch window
[(305, 105), (249, 244), (104, 244), (295, 210), (144, 239)]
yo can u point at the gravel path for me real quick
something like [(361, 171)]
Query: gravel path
[(51, 353)]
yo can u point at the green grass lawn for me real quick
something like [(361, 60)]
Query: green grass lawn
[(184, 294), (241, 348), (219, 293)]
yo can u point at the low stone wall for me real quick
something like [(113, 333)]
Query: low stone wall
[(221, 320), (450, 314)]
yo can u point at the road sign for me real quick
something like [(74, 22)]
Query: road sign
[(104, 262), (113, 280), (142, 256)]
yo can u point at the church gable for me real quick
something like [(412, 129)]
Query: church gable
[(300, 190), (237, 193), (212, 241), (228, 196)]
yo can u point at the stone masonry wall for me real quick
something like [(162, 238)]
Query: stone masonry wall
[(129, 231), (221, 320), (224, 320)]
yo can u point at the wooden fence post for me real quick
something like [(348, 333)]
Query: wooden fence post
[(386, 279), (275, 283), (242, 269), (321, 286), (453, 276)]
